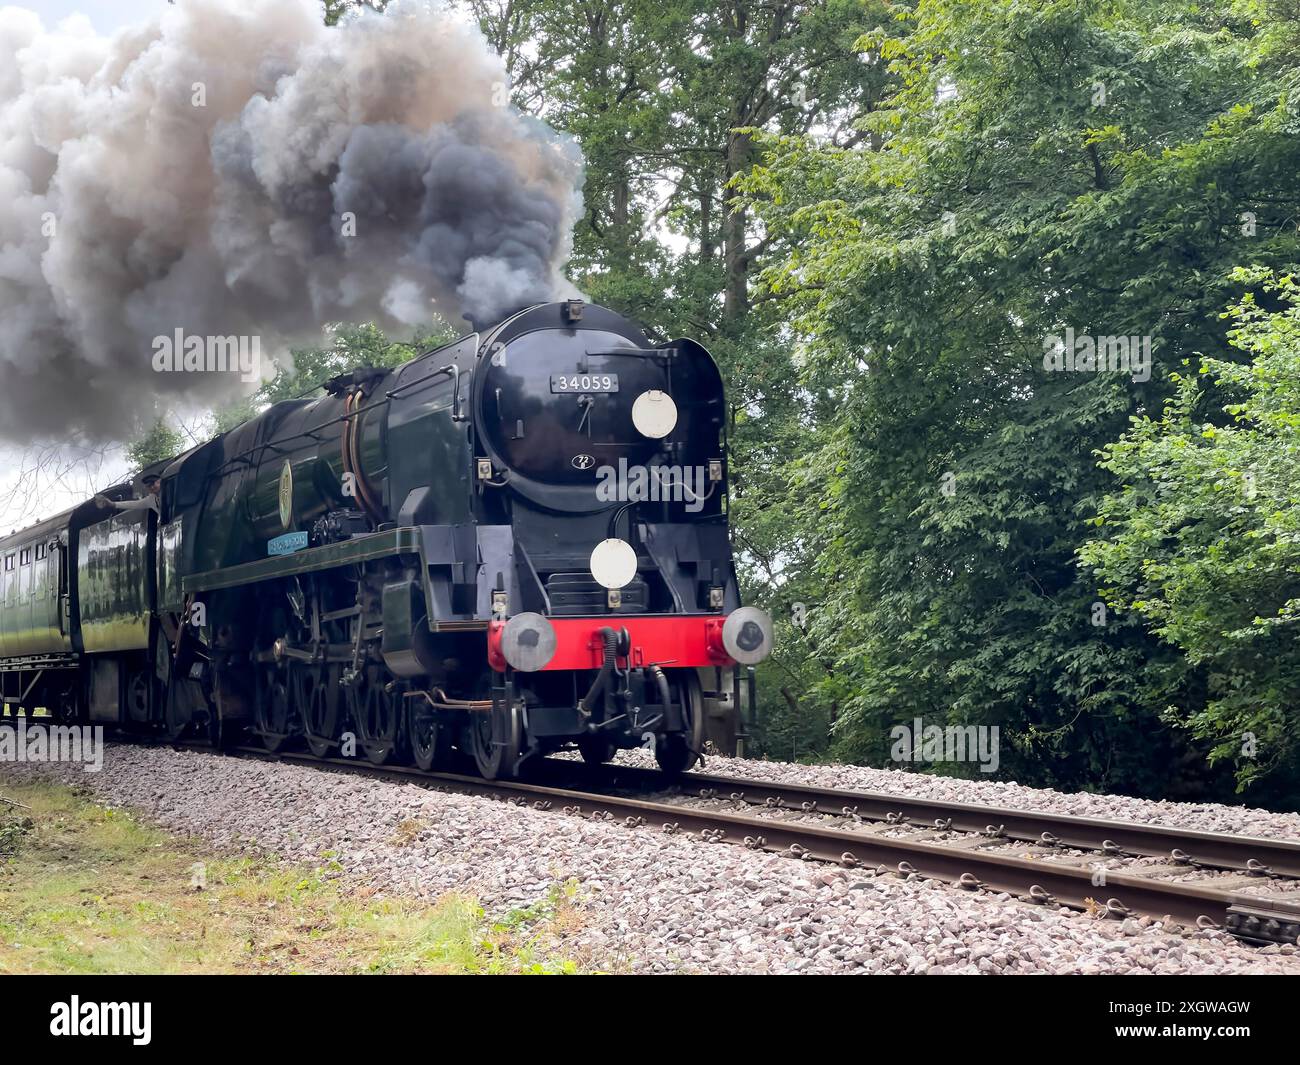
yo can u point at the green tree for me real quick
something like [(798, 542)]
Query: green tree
[(159, 443), (351, 346), (1038, 166), (336, 9), (1202, 539)]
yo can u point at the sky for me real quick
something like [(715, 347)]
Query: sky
[(105, 15)]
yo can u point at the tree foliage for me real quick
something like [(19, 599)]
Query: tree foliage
[(1202, 537), (161, 442), (1036, 166), (350, 347)]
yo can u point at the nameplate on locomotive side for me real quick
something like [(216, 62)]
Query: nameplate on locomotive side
[(286, 544), (584, 382)]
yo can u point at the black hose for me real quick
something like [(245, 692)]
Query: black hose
[(665, 693), (610, 640), (613, 521)]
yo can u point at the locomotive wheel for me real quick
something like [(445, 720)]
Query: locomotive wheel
[(423, 732), (678, 751), (596, 750), (377, 715), (316, 693), (273, 711), (495, 760)]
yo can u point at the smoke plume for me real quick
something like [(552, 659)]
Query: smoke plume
[(237, 168)]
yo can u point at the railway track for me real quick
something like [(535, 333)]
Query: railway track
[(956, 843), (1186, 849)]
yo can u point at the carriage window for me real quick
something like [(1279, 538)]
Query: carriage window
[(9, 563), (24, 556), (40, 552)]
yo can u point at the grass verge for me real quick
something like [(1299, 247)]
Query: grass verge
[(87, 888)]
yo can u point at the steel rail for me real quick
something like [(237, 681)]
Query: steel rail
[(1195, 849)]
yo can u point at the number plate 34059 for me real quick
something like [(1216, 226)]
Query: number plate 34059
[(584, 382)]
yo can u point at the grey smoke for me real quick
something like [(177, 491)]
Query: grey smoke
[(232, 218)]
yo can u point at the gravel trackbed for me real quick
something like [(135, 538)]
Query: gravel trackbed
[(656, 903)]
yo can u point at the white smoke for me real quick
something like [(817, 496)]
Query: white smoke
[(237, 168)]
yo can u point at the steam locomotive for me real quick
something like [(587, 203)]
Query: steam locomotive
[(513, 544)]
